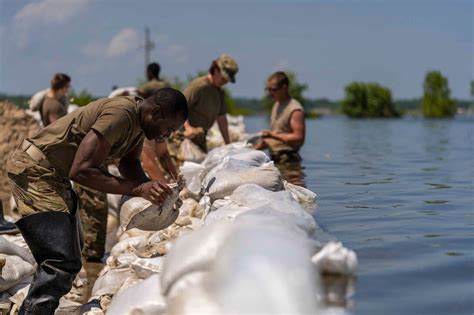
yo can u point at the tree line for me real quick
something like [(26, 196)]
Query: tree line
[(361, 100)]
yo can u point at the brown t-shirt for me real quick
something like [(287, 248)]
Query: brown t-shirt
[(53, 106), (205, 102), (150, 87), (281, 122), (116, 119)]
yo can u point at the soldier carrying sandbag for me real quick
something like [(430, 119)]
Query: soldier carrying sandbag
[(77, 147)]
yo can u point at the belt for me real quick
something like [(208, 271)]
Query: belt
[(35, 153)]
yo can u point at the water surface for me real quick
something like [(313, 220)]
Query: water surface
[(400, 193)]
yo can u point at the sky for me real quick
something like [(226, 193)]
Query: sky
[(328, 44)]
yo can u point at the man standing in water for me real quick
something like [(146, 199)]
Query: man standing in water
[(55, 103), (77, 148), (287, 133), (205, 98)]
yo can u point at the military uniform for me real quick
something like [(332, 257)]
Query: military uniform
[(150, 87), (38, 171), (53, 106)]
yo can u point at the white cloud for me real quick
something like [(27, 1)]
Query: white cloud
[(281, 65), (177, 52), (124, 42), (45, 12), (49, 12)]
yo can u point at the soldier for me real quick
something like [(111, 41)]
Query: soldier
[(77, 148), (56, 101), (287, 132), (154, 83), (205, 98)]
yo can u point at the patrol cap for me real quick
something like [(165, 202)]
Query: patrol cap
[(228, 67)]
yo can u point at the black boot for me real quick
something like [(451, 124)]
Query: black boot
[(5, 226), (54, 239)]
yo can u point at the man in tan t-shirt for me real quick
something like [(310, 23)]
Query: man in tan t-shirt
[(287, 133), (205, 98), (55, 103), (77, 147), (154, 83)]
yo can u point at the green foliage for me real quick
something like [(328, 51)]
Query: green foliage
[(81, 99), (472, 88), (296, 90), (368, 100), (436, 101), (20, 100)]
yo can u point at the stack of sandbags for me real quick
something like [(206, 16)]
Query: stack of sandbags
[(15, 125), (236, 127)]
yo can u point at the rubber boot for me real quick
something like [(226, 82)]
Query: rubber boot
[(55, 241), (6, 227)]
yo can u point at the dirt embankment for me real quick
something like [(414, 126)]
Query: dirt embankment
[(15, 125)]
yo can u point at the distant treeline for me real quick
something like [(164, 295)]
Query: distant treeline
[(255, 106)]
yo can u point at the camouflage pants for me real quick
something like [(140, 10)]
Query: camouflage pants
[(39, 189), (93, 213), (36, 188)]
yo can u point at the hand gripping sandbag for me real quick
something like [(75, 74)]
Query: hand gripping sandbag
[(137, 212)]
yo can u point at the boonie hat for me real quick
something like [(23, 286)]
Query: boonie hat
[(228, 67)]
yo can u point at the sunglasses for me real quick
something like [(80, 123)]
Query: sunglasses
[(268, 89)]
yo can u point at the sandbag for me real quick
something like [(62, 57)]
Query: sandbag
[(304, 196), (137, 212), (189, 151), (146, 267), (10, 248), (110, 280), (13, 270), (193, 174), (143, 298), (224, 183), (193, 252), (216, 155), (37, 99), (334, 258)]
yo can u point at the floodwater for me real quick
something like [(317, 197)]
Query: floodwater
[(400, 193)]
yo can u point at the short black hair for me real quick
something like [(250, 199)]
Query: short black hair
[(171, 101), (154, 69), (59, 81)]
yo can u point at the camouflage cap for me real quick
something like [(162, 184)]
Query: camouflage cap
[(228, 67)]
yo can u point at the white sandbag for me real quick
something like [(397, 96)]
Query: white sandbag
[(137, 212), (272, 203), (225, 183), (193, 252), (16, 239), (131, 90), (334, 258), (216, 155), (143, 298), (18, 297), (10, 248), (227, 212), (263, 270), (250, 156), (304, 196), (109, 281), (189, 151), (13, 270), (37, 99), (126, 245), (124, 260), (193, 174), (146, 267), (229, 166)]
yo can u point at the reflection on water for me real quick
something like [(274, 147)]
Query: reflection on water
[(292, 172)]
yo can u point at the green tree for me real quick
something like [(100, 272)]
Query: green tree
[(368, 100), (81, 99), (436, 101), (296, 90)]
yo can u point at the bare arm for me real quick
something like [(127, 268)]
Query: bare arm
[(223, 127), (297, 136), (85, 170), (161, 150), (149, 164), (53, 118)]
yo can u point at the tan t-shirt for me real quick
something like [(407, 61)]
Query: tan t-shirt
[(116, 119), (280, 122), (150, 87), (205, 102), (53, 106)]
